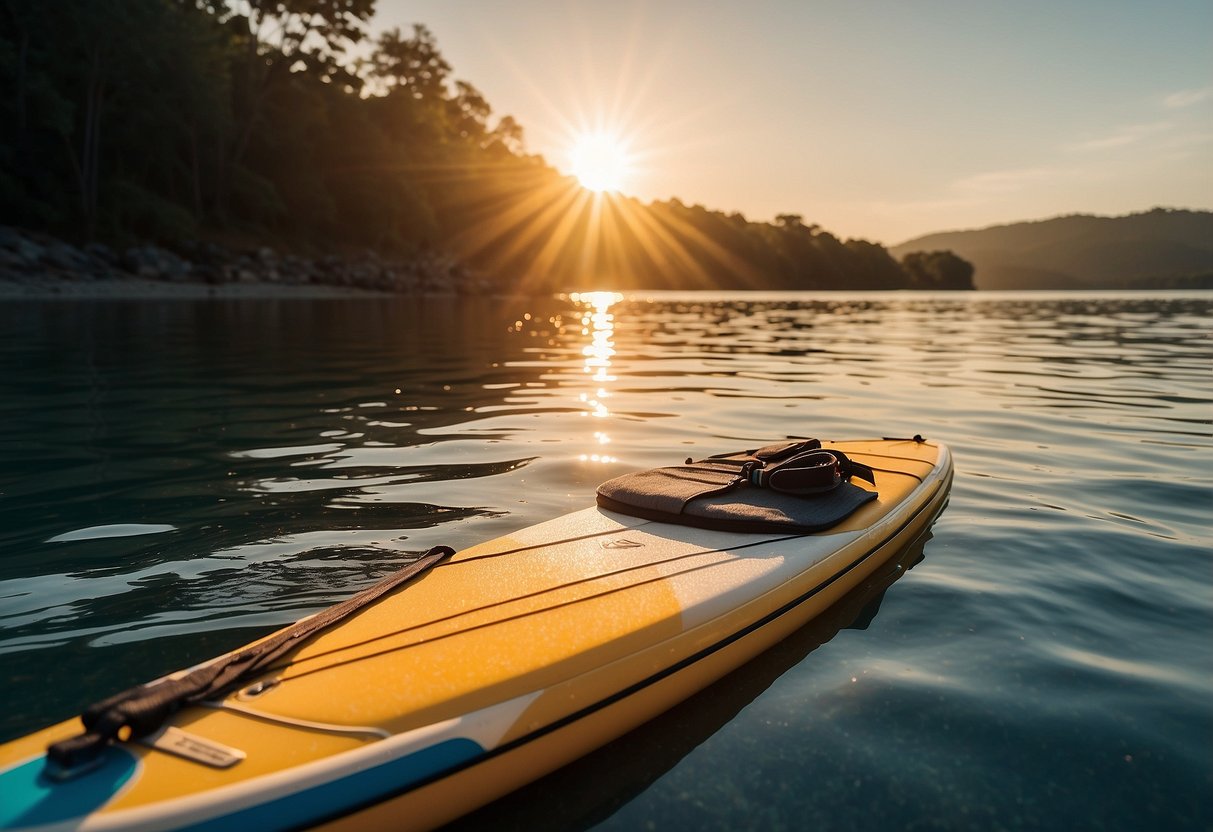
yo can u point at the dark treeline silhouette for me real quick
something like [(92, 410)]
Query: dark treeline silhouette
[(284, 123), (938, 270)]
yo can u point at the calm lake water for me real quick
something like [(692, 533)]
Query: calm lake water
[(177, 477)]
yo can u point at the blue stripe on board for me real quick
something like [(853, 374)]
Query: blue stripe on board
[(30, 798), (337, 797)]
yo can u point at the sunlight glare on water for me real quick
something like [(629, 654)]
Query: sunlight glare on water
[(599, 324)]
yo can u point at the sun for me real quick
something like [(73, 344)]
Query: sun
[(600, 161)]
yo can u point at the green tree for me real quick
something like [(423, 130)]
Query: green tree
[(274, 39), (413, 65), (90, 144), (937, 270), (36, 118), (282, 121)]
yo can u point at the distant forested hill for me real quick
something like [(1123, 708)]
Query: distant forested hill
[(1162, 248)]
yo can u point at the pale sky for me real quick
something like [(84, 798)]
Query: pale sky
[(881, 120)]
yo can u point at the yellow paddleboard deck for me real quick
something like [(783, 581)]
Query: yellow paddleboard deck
[(497, 666)]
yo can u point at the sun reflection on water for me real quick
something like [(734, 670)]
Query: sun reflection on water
[(598, 324)]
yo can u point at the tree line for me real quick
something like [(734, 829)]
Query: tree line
[(286, 122)]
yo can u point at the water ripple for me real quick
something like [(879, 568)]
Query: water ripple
[(1045, 665)]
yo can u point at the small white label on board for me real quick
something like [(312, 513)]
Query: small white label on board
[(621, 543), (208, 752)]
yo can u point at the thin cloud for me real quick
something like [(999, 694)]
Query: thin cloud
[(1186, 98), (1188, 140), (1187, 146), (979, 189), (1123, 136), (1004, 181)]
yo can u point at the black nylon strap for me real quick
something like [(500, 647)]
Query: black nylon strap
[(811, 472), (767, 453), (782, 450), (143, 709), (808, 473)]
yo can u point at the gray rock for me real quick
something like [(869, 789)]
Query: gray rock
[(101, 255), (23, 250), (155, 263), (42, 259), (64, 257)]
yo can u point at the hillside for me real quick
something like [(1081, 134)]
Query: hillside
[(287, 127), (1161, 248)]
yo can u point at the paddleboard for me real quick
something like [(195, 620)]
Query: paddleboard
[(498, 665)]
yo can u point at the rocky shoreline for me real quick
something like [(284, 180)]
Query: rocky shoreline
[(39, 265)]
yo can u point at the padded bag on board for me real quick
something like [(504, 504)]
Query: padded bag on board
[(788, 487)]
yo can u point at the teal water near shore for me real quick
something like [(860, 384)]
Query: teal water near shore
[(181, 476)]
